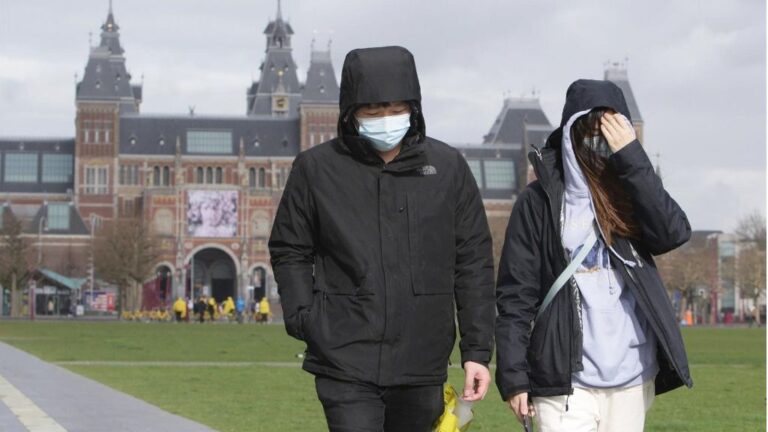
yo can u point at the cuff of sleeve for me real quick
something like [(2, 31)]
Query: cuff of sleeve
[(631, 156), (517, 384), (482, 357)]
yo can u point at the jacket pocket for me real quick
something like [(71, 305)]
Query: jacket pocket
[(431, 244), (347, 280)]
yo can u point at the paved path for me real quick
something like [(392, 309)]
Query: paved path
[(36, 396)]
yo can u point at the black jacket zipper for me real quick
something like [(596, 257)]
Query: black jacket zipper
[(537, 170)]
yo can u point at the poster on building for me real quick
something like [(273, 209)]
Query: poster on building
[(212, 213), (102, 301)]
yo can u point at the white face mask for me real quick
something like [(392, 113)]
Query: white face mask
[(385, 133)]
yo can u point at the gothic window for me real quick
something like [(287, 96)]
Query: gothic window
[(262, 178), (166, 176)]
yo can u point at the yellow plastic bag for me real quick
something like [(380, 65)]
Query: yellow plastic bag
[(458, 414)]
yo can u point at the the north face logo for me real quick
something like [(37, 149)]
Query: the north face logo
[(427, 170)]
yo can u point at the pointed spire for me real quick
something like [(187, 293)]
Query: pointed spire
[(279, 10), (110, 25)]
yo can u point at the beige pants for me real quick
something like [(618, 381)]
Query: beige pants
[(596, 410)]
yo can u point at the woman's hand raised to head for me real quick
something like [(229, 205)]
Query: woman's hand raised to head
[(618, 131)]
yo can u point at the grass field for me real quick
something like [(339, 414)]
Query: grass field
[(239, 389)]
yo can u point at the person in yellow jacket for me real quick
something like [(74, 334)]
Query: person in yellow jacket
[(264, 310), (180, 309), (229, 307)]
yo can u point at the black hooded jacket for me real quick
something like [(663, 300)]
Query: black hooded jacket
[(542, 362), (375, 261)]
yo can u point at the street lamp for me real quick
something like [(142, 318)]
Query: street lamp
[(93, 258), (43, 220)]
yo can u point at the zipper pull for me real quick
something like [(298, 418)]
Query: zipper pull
[(537, 151), (634, 254)]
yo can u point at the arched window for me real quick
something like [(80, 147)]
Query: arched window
[(156, 176), (209, 175), (252, 177), (262, 178), (166, 176), (199, 175), (219, 175)]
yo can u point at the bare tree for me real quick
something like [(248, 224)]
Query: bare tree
[(750, 276), (751, 229), (750, 263), (14, 267), (125, 252), (685, 270)]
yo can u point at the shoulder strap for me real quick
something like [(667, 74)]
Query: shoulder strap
[(589, 242)]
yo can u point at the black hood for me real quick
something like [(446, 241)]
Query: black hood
[(376, 75), (587, 94)]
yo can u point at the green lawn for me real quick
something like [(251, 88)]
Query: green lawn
[(728, 367)]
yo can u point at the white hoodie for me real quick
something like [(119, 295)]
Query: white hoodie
[(618, 346)]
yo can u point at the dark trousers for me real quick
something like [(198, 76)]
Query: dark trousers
[(362, 407)]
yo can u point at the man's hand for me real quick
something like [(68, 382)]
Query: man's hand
[(519, 404), (618, 131), (477, 378)]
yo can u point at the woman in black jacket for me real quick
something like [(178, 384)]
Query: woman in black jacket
[(590, 355)]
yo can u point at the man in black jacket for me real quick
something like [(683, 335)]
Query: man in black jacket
[(379, 244)]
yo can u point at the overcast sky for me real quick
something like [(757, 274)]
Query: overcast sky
[(697, 68)]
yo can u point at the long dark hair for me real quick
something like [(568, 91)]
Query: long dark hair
[(612, 203)]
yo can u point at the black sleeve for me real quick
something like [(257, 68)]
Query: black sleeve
[(664, 225), (517, 294), (292, 251), (473, 271)]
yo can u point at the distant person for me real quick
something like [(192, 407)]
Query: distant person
[(50, 306), (593, 345), (212, 308), (380, 244), (240, 309), (256, 313), (200, 307), (179, 309), (264, 310), (190, 309)]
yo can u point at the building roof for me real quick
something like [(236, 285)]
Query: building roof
[(37, 146), (617, 73), (76, 224), (66, 281), (106, 77), (478, 157), (30, 216), (278, 31), (321, 85), (517, 116), (140, 134), (277, 70)]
